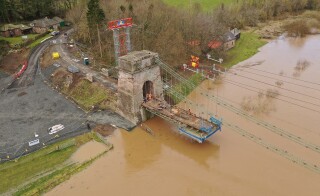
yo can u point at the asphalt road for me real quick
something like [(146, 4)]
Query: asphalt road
[(28, 77)]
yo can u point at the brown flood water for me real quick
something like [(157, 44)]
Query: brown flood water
[(227, 164)]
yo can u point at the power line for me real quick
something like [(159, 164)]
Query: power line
[(279, 99), (259, 141), (278, 79), (284, 76), (279, 151), (275, 86), (237, 84), (238, 111), (297, 125)]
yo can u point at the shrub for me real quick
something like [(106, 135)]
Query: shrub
[(297, 28)]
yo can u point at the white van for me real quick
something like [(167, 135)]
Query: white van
[(55, 129)]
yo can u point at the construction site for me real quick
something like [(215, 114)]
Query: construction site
[(252, 129)]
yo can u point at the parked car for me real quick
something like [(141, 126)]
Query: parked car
[(55, 128), (34, 142)]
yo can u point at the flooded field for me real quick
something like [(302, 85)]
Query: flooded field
[(88, 151), (280, 86)]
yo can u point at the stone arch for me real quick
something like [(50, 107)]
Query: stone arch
[(147, 88)]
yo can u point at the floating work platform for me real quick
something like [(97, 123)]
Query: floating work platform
[(203, 133), (189, 124)]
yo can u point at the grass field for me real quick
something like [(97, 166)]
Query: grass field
[(206, 4), (15, 173), (246, 46)]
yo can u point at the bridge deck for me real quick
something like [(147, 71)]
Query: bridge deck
[(189, 124)]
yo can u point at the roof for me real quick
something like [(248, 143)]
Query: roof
[(56, 18), (214, 44), (228, 36), (7, 27), (235, 31), (45, 22)]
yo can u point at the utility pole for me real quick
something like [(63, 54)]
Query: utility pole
[(99, 41)]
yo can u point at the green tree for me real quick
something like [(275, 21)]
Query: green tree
[(95, 14), (95, 17), (4, 11)]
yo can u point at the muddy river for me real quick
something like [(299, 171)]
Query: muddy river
[(279, 85)]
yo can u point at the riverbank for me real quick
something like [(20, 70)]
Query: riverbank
[(247, 46), (252, 38), (37, 172)]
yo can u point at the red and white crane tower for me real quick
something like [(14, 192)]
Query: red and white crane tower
[(121, 36)]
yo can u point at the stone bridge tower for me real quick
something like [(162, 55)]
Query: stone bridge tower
[(138, 75)]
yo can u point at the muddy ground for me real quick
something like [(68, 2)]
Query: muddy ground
[(105, 130), (11, 62)]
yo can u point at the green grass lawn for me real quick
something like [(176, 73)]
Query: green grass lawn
[(17, 40), (15, 173), (206, 4), (246, 46)]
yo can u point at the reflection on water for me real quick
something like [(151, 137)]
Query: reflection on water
[(166, 163), (141, 152), (169, 137), (297, 42)]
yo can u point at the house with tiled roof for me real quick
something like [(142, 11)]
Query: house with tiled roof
[(12, 30), (46, 24), (236, 32), (214, 44), (229, 40)]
